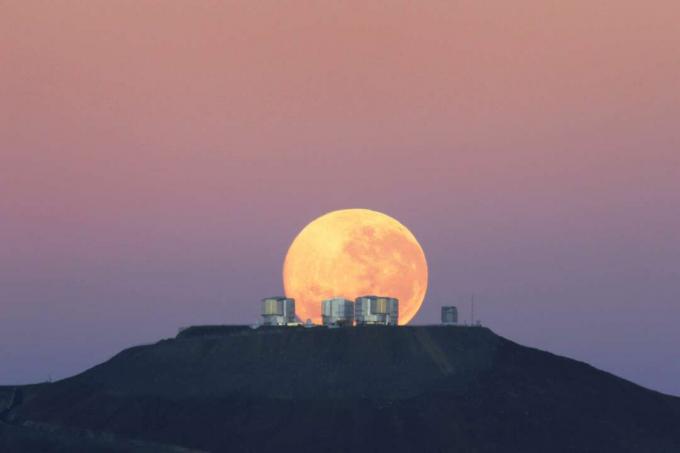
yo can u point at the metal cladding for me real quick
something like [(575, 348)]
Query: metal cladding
[(278, 311), (376, 310), (449, 315), (337, 312)]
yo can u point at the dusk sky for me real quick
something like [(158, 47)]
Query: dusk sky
[(158, 158)]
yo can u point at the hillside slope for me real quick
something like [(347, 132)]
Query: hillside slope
[(363, 389)]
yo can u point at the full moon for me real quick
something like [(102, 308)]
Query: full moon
[(351, 253)]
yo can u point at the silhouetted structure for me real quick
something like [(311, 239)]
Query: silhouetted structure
[(449, 315)]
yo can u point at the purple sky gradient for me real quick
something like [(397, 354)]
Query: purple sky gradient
[(157, 159)]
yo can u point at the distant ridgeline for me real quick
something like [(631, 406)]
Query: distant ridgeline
[(214, 330), (227, 330)]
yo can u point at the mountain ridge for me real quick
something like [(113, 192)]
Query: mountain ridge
[(226, 388)]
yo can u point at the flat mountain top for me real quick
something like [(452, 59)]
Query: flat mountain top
[(434, 388)]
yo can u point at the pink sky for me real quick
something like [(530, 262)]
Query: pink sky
[(157, 158)]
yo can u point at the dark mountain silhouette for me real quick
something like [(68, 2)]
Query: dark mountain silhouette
[(224, 389)]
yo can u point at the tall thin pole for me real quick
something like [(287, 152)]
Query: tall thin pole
[(472, 311)]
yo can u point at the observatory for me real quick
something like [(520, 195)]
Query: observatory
[(376, 310), (278, 311), (337, 312), (449, 315)]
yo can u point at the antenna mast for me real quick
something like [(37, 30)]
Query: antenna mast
[(472, 311)]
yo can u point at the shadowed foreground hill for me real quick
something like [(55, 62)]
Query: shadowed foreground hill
[(363, 389)]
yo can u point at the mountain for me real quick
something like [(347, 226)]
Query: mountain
[(232, 388)]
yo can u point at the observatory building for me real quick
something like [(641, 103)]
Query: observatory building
[(337, 312), (278, 311), (449, 315), (376, 310)]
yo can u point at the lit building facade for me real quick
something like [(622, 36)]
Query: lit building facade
[(278, 311), (376, 310), (337, 312)]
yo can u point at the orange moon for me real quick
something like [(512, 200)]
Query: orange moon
[(351, 253)]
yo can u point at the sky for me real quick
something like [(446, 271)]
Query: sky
[(157, 159)]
